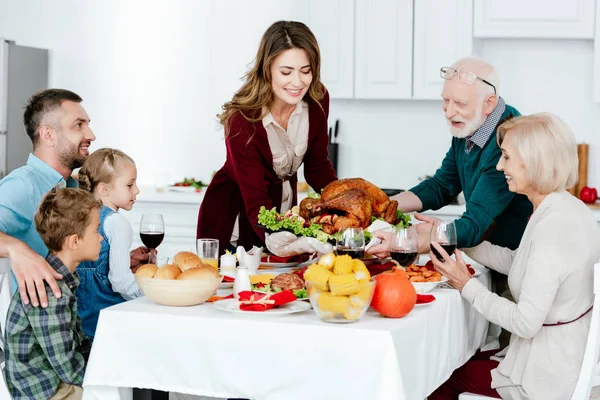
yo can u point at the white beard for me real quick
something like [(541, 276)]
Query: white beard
[(470, 126)]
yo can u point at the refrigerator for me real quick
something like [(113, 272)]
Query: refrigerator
[(23, 71)]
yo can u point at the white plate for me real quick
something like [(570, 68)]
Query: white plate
[(279, 265), (184, 189), (233, 305), (425, 304), (424, 287), (260, 291), (226, 285)]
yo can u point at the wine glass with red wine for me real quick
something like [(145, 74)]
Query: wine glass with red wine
[(443, 233), (152, 231), (351, 241), (404, 246)]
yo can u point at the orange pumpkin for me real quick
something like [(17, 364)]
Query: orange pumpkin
[(394, 295)]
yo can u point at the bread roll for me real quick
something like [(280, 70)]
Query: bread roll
[(146, 271), (199, 273), (186, 260), (168, 271)]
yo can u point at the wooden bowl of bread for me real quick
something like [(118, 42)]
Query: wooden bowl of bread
[(186, 282)]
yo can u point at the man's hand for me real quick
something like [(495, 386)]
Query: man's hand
[(139, 256), (31, 270), (424, 231)]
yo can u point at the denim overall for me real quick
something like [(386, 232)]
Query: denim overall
[(95, 291)]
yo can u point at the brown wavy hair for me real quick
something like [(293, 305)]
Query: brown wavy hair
[(257, 91), (62, 213), (101, 167)]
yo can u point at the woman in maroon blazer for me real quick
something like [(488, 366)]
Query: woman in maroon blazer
[(275, 122)]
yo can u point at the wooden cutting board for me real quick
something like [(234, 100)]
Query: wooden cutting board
[(595, 206)]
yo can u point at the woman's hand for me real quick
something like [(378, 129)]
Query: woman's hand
[(381, 250), (456, 271)]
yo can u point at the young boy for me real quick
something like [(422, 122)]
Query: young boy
[(46, 350)]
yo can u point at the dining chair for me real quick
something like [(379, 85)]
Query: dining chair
[(589, 376)]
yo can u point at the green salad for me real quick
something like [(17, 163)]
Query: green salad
[(274, 221), (265, 287)]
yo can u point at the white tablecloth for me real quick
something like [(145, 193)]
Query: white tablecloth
[(203, 351)]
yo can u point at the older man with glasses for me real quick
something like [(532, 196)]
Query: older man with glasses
[(473, 110)]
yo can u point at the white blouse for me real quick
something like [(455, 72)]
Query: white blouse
[(288, 149)]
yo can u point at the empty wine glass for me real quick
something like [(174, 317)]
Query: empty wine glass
[(444, 234), (351, 241), (152, 232), (404, 246)]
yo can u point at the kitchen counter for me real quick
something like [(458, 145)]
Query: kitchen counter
[(458, 210), (150, 195)]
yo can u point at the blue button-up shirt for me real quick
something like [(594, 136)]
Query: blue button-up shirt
[(21, 192)]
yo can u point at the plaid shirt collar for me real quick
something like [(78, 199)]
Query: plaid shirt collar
[(70, 278), (482, 135)]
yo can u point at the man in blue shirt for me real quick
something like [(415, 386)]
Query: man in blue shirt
[(58, 127)]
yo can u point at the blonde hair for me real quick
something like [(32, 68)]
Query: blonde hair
[(548, 149), (62, 213), (256, 93), (100, 167)]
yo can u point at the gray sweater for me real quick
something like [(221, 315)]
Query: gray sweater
[(551, 277)]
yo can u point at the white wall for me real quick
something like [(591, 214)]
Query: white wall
[(536, 75), (154, 75)]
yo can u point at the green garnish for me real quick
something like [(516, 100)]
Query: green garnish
[(274, 221)]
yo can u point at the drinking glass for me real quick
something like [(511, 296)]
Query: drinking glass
[(152, 232), (404, 246), (351, 241), (208, 251), (443, 233)]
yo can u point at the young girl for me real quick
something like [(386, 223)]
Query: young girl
[(110, 175)]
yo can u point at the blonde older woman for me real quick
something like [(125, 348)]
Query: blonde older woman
[(550, 274)]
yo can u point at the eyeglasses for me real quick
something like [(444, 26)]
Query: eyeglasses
[(463, 76)]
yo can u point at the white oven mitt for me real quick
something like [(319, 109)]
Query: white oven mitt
[(250, 259), (285, 244)]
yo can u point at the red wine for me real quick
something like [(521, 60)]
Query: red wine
[(404, 258), (352, 253), (152, 239), (448, 247)]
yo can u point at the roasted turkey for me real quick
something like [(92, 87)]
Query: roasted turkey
[(349, 203)]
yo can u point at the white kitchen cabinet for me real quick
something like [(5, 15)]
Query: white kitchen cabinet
[(558, 19), (443, 34), (332, 23), (180, 214), (596, 82), (383, 49)]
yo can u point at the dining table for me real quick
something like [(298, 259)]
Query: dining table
[(206, 351)]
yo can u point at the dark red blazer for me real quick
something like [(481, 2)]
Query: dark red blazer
[(247, 180)]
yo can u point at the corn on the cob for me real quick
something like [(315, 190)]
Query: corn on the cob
[(359, 299), (342, 265), (361, 273), (334, 304), (352, 313), (317, 276), (342, 285), (327, 261)]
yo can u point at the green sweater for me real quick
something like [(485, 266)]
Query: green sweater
[(489, 203)]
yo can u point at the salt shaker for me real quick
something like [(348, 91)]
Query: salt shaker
[(242, 281)]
